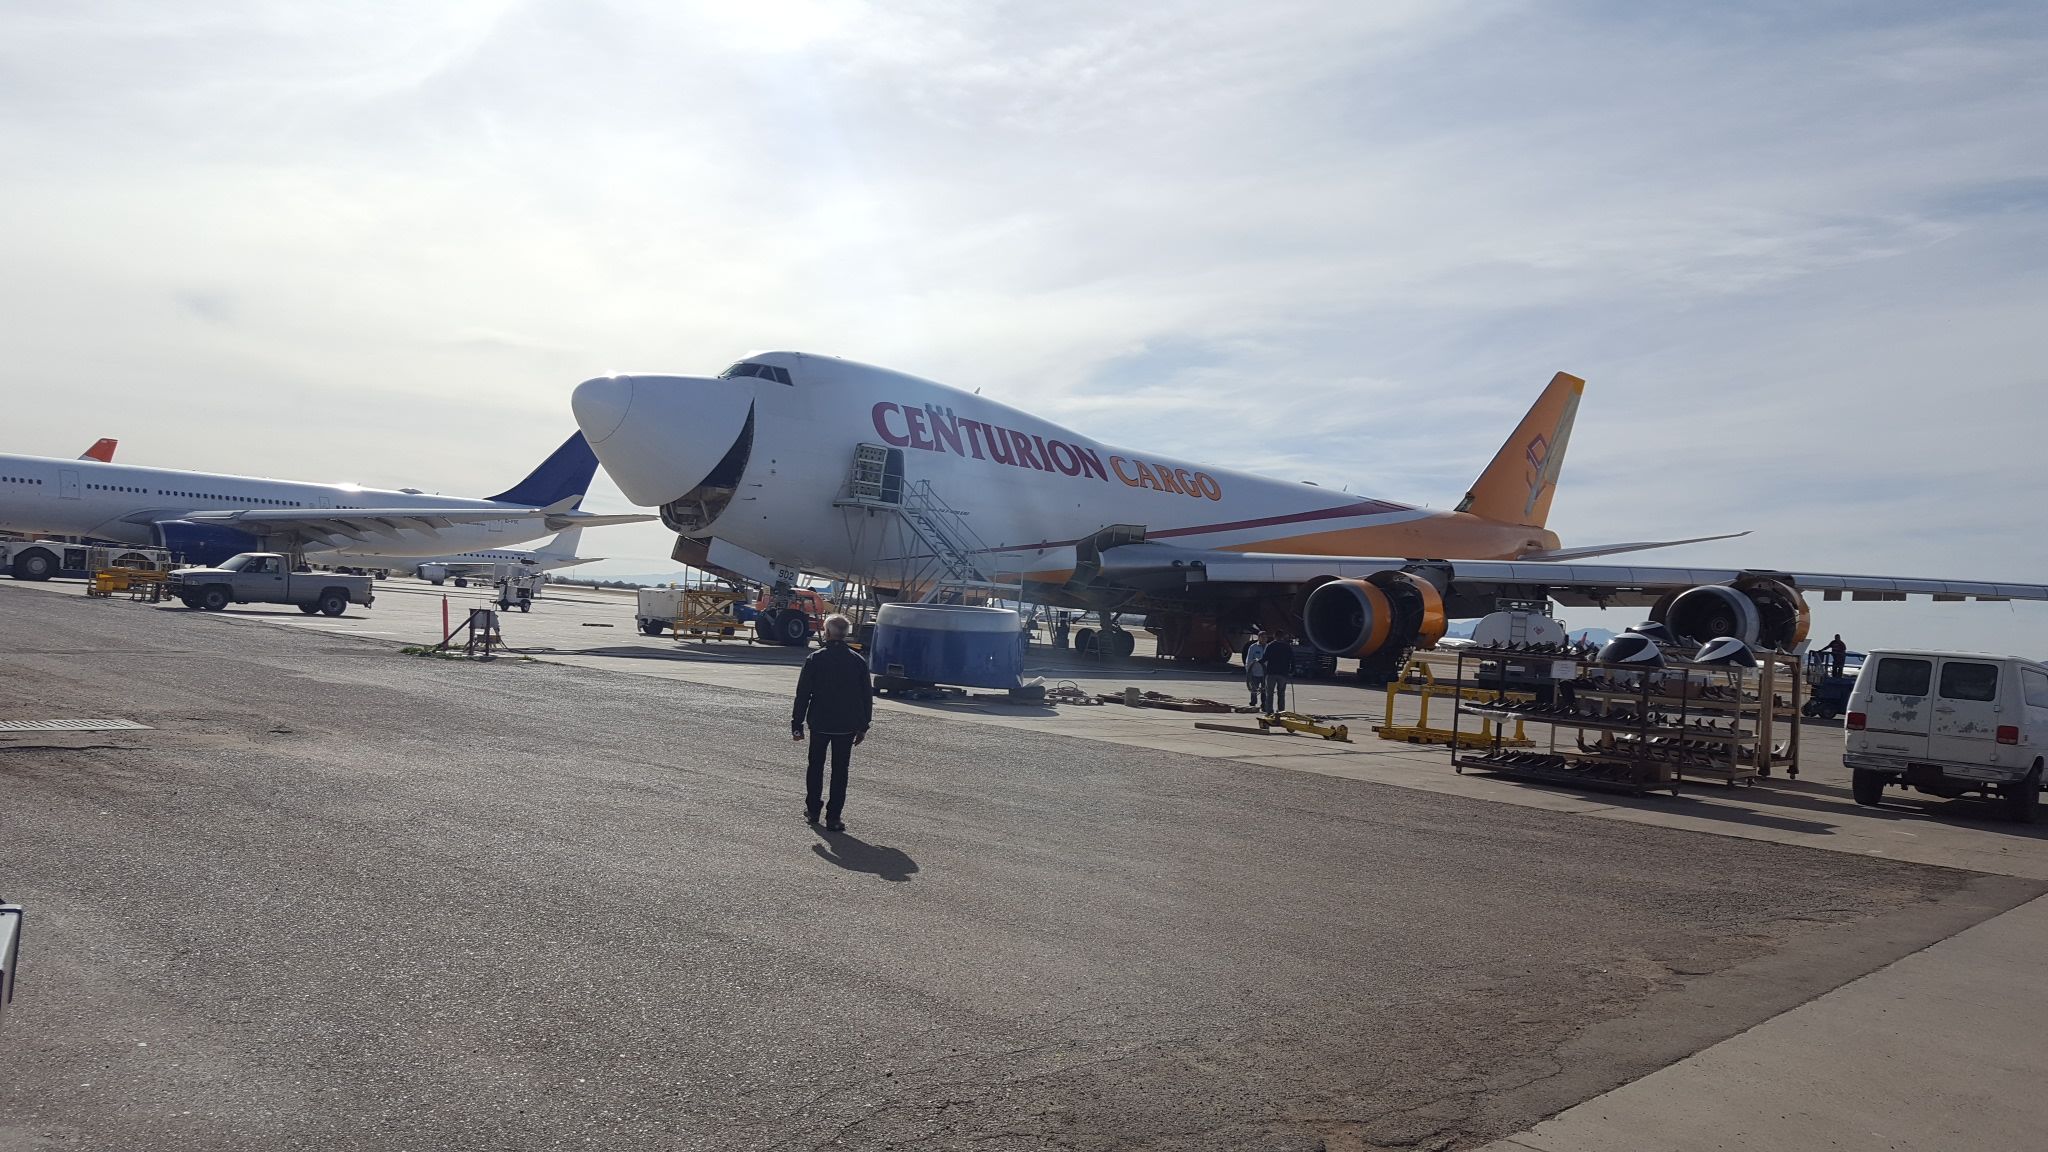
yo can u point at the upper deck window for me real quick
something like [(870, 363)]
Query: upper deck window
[(764, 371)]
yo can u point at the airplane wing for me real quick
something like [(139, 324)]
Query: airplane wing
[(1158, 565), (1592, 550), (336, 524), (1378, 608)]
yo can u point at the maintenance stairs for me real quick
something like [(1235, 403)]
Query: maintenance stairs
[(940, 553)]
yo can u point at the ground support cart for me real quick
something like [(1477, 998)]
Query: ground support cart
[(1619, 727)]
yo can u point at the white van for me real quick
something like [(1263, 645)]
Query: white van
[(1948, 723)]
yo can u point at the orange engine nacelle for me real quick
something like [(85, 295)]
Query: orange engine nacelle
[(1384, 611)]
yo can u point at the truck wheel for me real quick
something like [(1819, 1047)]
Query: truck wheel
[(333, 603), (1867, 786), (191, 602), (214, 599), (35, 564), (653, 627), (2022, 798), (794, 629), (309, 609)]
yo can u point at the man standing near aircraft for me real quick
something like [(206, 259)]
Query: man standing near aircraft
[(1255, 667), (1838, 654), (835, 697), (1279, 669)]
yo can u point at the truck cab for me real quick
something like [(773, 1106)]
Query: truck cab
[(1948, 724)]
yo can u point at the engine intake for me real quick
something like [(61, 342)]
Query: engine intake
[(204, 545), (1754, 609), (1385, 612)]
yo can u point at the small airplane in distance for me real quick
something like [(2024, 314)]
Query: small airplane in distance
[(102, 450), (789, 462), (206, 517), (491, 563)]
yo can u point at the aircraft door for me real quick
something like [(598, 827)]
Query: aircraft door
[(67, 484), (892, 477)]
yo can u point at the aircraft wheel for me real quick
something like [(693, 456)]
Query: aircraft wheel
[(1121, 643), (794, 629), (1084, 642)]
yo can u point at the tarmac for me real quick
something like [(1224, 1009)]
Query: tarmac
[(1107, 929)]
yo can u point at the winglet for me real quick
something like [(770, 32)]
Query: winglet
[(102, 450), (1516, 488)]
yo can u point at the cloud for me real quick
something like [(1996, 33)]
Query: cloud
[(1797, 253)]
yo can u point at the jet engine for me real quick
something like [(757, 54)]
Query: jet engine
[(1385, 614), (203, 544), (1757, 610)]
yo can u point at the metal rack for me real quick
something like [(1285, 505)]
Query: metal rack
[(1650, 729)]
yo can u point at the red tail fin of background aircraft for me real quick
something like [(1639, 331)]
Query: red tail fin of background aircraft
[(102, 450)]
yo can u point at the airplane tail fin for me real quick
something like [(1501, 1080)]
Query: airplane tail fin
[(1516, 488), (102, 450), (563, 476), (564, 544)]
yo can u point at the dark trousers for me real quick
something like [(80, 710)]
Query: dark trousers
[(1273, 695), (841, 744)]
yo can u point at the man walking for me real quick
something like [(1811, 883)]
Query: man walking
[(1255, 666), (1279, 669), (833, 696)]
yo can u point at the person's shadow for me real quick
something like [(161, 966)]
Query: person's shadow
[(857, 855)]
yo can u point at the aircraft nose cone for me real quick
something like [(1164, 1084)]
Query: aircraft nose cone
[(659, 437), (601, 405)]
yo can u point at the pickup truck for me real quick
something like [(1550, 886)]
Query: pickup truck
[(267, 578)]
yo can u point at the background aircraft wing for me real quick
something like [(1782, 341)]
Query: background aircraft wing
[(1163, 567), (335, 524)]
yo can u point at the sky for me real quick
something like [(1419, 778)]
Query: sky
[(1797, 251)]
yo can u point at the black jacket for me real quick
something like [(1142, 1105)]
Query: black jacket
[(1280, 658), (833, 694)]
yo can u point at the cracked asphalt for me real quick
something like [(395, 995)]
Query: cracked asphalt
[(347, 898)]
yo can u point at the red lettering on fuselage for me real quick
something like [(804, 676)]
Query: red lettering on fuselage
[(931, 428), (920, 432), (882, 426), (944, 427)]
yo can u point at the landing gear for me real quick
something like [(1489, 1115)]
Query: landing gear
[(1113, 640)]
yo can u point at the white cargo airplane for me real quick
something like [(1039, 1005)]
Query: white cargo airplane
[(206, 517), (489, 562), (789, 461)]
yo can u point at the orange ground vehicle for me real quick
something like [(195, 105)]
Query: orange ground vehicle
[(800, 613)]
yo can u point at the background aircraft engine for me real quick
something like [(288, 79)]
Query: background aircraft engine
[(1755, 610), (1387, 612), (203, 544)]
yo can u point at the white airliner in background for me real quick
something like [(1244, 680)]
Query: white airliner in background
[(206, 517), (795, 462), (485, 563)]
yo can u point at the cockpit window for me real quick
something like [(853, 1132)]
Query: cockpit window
[(764, 371)]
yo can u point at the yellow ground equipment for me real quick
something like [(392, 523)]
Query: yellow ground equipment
[(706, 613), (1419, 680), (1307, 725)]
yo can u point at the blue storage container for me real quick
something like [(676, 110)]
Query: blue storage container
[(949, 644)]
